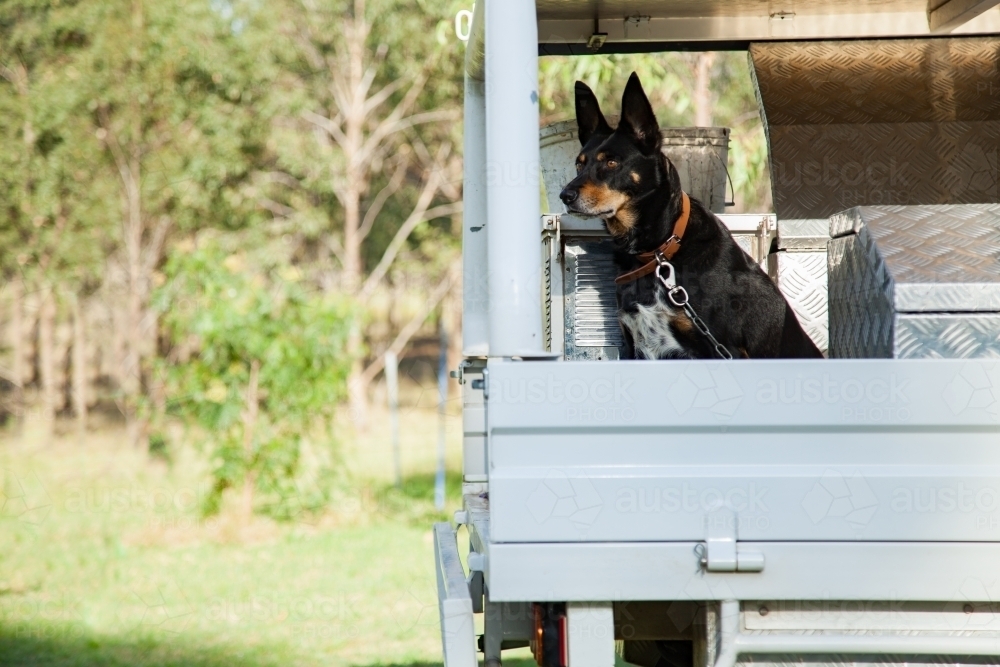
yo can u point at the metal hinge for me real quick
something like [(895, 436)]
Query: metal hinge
[(459, 373), (721, 550)]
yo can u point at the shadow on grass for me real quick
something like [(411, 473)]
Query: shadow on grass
[(77, 646)]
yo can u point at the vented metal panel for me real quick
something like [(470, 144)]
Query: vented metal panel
[(879, 122), (592, 329), (547, 267)]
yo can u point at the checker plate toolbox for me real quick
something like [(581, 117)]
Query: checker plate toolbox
[(838, 511), (911, 282)]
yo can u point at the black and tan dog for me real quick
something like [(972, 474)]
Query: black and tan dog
[(625, 179)]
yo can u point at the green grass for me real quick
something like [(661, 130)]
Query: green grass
[(103, 561)]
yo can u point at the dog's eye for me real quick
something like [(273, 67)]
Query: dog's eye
[(579, 166), (611, 164)]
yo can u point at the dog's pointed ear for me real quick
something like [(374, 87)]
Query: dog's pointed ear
[(589, 118), (638, 117)]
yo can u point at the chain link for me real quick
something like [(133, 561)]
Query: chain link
[(679, 297)]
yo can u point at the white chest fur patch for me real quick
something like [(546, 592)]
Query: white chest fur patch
[(650, 329)]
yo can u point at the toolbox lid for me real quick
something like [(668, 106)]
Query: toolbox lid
[(942, 258), (803, 234)]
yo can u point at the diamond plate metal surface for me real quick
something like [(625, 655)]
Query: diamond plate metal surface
[(879, 122), (746, 242), (809, 234), (947, 336), (860, 306), (915, 282), (939, 258), (801, 277)]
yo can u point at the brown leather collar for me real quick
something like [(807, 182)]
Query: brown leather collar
[(668, 248)]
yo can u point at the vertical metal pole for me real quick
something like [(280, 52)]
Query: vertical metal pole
[(514, 252), (392, 388), (729, 633), (442, 401), (475, 286)]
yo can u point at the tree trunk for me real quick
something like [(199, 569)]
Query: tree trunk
[(702, 90), (47, 363), (357, 386), (249, 425), (132, 371), (354, 125), (357, 383), (79, 369), (17, 342)]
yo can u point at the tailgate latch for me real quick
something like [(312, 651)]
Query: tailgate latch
[(721, 550)]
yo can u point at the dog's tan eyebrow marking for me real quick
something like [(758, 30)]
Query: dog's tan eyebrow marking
[(581, 158), (600, 156), (635, 176)]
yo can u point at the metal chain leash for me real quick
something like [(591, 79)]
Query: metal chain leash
[(679, 297)]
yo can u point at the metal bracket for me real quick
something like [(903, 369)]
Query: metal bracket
[(459, 373), (477, 587)]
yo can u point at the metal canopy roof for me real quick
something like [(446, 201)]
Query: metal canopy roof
[(566, 26)]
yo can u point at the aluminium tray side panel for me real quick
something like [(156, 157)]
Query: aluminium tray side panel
[(640, 451), (811, 571)]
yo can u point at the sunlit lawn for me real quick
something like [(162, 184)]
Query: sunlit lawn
[(103, 560)]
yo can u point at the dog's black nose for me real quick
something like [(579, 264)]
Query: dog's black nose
[(568, 196)]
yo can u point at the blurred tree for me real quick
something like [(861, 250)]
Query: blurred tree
[(53, 211), (365, 147), (169, 94), (258, 362)]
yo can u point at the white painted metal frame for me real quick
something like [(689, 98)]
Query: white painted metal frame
[(458, 634), (957, 17), (734, 643), (475, 287), (514, 252)]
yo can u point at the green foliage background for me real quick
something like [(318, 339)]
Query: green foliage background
[(231, 314), (204, 99)]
